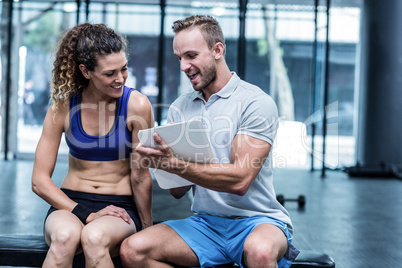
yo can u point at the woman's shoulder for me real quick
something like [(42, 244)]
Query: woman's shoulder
[(137, 99), (139, 111), (59, 111), (138, 104), (62, 108)]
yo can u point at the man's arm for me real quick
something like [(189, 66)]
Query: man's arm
[(248, 155)]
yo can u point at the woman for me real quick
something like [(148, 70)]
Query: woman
[(106, 194)]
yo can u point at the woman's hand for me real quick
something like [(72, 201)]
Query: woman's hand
[(110, 211)]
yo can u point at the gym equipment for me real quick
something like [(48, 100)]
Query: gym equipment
[(301, 200)]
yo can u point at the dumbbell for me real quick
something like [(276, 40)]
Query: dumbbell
[(301, 200)]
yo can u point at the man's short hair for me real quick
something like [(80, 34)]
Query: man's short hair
[(209, 27)]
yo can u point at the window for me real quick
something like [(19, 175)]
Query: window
[(280, 58)]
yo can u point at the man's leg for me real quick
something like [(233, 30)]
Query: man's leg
[(265, 246), (157, 246)]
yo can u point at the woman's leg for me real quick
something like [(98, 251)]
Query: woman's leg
[(62, 234), (101, 240)]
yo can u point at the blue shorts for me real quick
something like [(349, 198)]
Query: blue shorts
[(96, 202), (218, 240)]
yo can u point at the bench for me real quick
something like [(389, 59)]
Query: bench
[(30, 251)]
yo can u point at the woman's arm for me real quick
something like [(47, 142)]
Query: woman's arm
[(140, 117), (45, 161)]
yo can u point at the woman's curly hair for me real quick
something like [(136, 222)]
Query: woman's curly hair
[(81, 45)]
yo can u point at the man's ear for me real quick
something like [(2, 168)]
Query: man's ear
[(219, 50), (84, 71)]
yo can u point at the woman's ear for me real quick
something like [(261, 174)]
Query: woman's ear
[(219, 50), (84, 71)]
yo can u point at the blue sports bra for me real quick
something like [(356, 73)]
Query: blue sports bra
[(113, 146)]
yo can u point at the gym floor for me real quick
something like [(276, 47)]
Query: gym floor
[(357, 221)]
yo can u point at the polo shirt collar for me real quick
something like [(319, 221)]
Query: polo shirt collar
[(225, 92)]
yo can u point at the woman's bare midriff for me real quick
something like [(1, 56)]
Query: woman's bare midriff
[(98, 177)]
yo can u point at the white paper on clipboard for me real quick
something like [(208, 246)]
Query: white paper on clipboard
[(188, 140)]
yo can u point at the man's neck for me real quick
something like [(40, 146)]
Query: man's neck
[(222, 78)]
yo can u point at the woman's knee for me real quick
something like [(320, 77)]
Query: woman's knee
[(94, 237), (65, 236), (64, 242)]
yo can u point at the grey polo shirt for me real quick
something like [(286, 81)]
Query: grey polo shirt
[(238, 108)]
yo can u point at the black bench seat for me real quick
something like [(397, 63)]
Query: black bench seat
[(30, 251)]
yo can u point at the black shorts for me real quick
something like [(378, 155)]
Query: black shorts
[(96, 202)]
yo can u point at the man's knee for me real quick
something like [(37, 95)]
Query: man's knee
[(147, 247), (262, 253), (132, 251)]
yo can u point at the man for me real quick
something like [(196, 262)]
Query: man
[(237, 218)]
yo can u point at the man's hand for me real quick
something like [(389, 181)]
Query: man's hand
[(161, 157)]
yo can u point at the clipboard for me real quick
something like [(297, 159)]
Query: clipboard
[(189, 142)]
